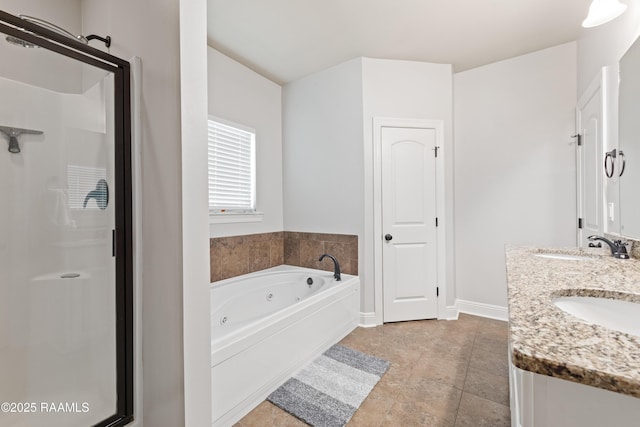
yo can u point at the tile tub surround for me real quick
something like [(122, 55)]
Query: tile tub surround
[(304, 249), (548, 341), (237, 255)]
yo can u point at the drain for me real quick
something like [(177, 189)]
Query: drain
[(224, 320), (269, 296), (70, 275)]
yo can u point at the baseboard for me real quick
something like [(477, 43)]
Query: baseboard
[(367, 320), (450, 313), (484, 310)]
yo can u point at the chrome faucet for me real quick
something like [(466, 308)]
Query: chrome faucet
[(618, 249), (336, 266)]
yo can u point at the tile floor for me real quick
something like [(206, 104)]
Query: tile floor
[(442, 373)]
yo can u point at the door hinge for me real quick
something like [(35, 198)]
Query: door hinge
[(579, 222), (113, 243), (436, 221), (437, 291), (579, 138)]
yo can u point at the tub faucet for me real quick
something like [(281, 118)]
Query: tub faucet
[(336, 266), (618, 249)]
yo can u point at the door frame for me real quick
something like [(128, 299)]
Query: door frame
[(594, 87), (438, 127), (601, 83)]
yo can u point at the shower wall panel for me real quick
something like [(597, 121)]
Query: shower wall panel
[(53, 72), (57, 317)]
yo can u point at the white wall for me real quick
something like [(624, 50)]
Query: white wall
[(404, 89), (157, 43), (151, 30), (515, 167), (195, 242), (40, 67), (328, 144), (605, 45), (169, 37), (322, 152), (240, 95)]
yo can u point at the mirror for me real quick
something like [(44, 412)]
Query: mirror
[(627, 162)]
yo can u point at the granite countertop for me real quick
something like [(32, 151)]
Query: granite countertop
[(548, 341)]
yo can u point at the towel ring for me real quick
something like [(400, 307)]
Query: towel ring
[(624, 162)]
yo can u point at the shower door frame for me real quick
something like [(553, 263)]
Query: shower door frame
[(123, 233)]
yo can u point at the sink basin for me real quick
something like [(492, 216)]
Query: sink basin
[(566, 257), (611, 313)]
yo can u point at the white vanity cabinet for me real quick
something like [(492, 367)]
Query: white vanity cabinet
[(595, 368), (543, 401)]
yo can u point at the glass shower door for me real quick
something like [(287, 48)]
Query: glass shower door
[(63, 346)]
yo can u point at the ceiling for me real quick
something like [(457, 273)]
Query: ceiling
[(285, 40)]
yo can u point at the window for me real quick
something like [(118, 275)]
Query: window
[(232, 168)]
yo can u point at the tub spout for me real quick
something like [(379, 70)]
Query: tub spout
[(336, 266)]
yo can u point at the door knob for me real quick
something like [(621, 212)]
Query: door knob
[(388, 237)]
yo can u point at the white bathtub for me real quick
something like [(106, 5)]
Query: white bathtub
[(267, 325)]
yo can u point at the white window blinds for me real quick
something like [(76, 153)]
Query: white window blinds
[(231, 167)]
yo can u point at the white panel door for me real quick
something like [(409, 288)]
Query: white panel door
[(590, 167), (409, 223)]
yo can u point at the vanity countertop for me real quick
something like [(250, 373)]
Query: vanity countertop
[(548, 341)]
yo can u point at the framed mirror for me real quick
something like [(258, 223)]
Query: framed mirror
[(627, 160)]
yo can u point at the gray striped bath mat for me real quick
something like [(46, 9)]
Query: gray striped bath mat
[(328, 392)]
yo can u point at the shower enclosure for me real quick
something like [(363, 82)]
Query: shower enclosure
[(66, 309)]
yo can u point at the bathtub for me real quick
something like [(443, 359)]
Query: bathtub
[(265, 326)]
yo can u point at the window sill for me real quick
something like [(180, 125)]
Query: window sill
[(228, 218)]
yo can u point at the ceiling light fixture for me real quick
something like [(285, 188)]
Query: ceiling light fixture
[(603, 11)]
